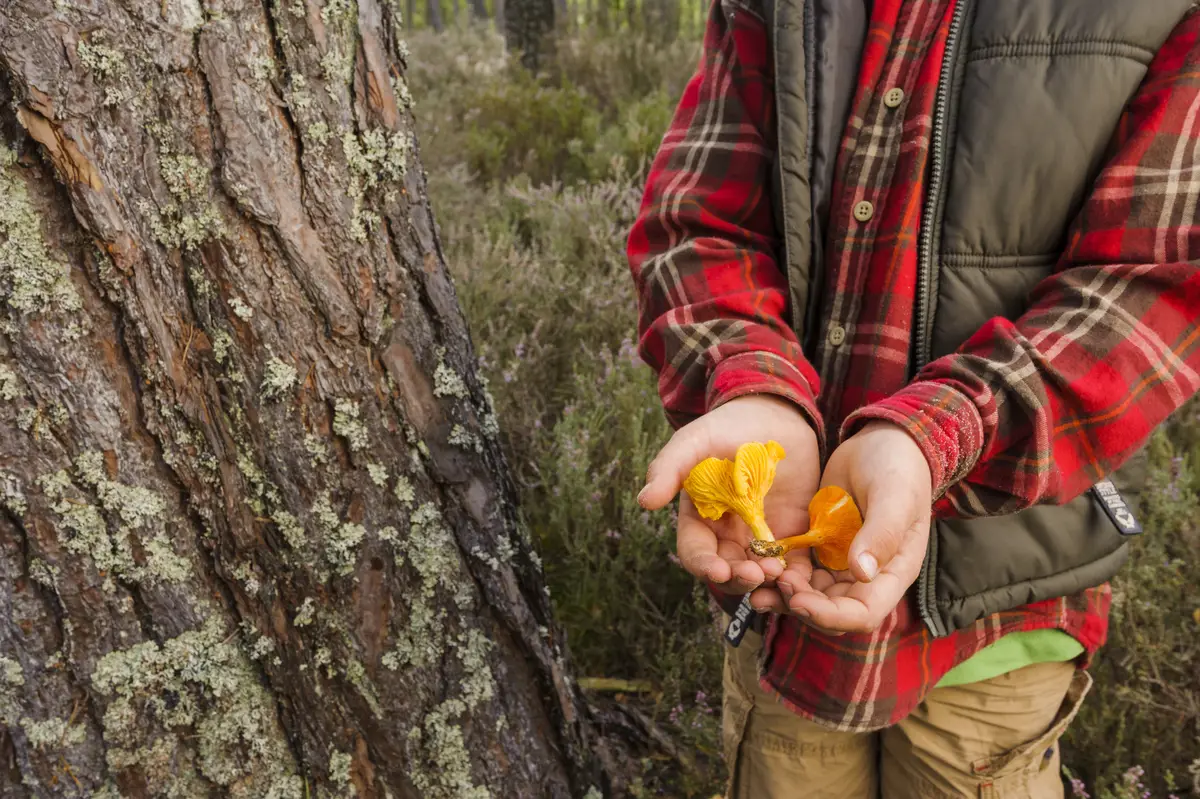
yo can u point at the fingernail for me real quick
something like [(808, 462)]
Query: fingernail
[(785, 589), (869, 565), (760, 611), (641, 497)]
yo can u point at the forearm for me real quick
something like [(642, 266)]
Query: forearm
[(1037, 409), (713, 301)]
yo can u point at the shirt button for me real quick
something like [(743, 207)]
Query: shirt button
[(863, 211), (893, 98), (837, 335)]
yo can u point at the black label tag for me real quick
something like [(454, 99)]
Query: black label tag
[(740, 622), (1117, 509)]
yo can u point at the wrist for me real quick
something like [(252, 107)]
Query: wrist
[(941, 421)]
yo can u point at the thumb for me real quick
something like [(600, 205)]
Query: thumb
[(668, 470), (884, 525)]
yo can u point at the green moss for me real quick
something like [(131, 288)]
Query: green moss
[(279, 379), (31, 279), (197, 689), (346, 423)]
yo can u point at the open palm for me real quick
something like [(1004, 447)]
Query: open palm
[(716, 551)]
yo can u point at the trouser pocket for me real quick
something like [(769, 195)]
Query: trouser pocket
[(736, 705), (1031, 770)]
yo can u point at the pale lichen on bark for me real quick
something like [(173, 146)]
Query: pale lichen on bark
[(246, 451)]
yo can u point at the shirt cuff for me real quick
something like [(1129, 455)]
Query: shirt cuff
[(763, 372), (943, 421)]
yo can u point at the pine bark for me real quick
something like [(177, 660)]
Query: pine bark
[(257, 537), (527, 28)]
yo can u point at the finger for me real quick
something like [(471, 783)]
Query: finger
[(690, 445), (742, 579), (852, 607), (767, 600), (887, 519), (696, 546), (795, 579), (822, 581), (748, 575), (771, 567)]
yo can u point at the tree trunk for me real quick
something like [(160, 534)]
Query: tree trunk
[(257, 537), (479, 9), (434, 10), (527, 25)]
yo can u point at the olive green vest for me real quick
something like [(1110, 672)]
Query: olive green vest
[(1029, 97)]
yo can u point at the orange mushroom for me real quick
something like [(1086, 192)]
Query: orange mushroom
[(834, 520)]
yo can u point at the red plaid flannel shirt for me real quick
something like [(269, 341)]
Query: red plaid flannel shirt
[(1028, 411)]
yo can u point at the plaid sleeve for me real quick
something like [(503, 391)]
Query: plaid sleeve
[(1037, 410), (712, 297)]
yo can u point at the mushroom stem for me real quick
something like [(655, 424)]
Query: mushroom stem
[(760, 530), (780, 547), (813, 538), (764, 544)]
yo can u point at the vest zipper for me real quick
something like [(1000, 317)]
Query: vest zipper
[(927, 581)]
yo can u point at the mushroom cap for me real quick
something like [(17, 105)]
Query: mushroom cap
[(834, 520), (718, 485)]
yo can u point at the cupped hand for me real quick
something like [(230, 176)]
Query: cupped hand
[(716, 551), (885, 471)]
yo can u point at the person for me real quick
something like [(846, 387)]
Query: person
[(944, 252)]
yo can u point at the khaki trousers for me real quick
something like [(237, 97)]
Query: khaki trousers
[(993, 739)]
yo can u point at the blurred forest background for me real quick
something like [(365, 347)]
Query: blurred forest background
[(535, 177)]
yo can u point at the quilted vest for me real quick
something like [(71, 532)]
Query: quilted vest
[(1029, 96)]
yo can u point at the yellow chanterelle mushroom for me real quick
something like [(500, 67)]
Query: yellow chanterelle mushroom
[(718, 485)]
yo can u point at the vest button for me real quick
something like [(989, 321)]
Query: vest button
[(837, 335), (893, 98), (863, 211)]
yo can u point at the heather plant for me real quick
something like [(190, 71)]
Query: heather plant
[(534, 227)]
